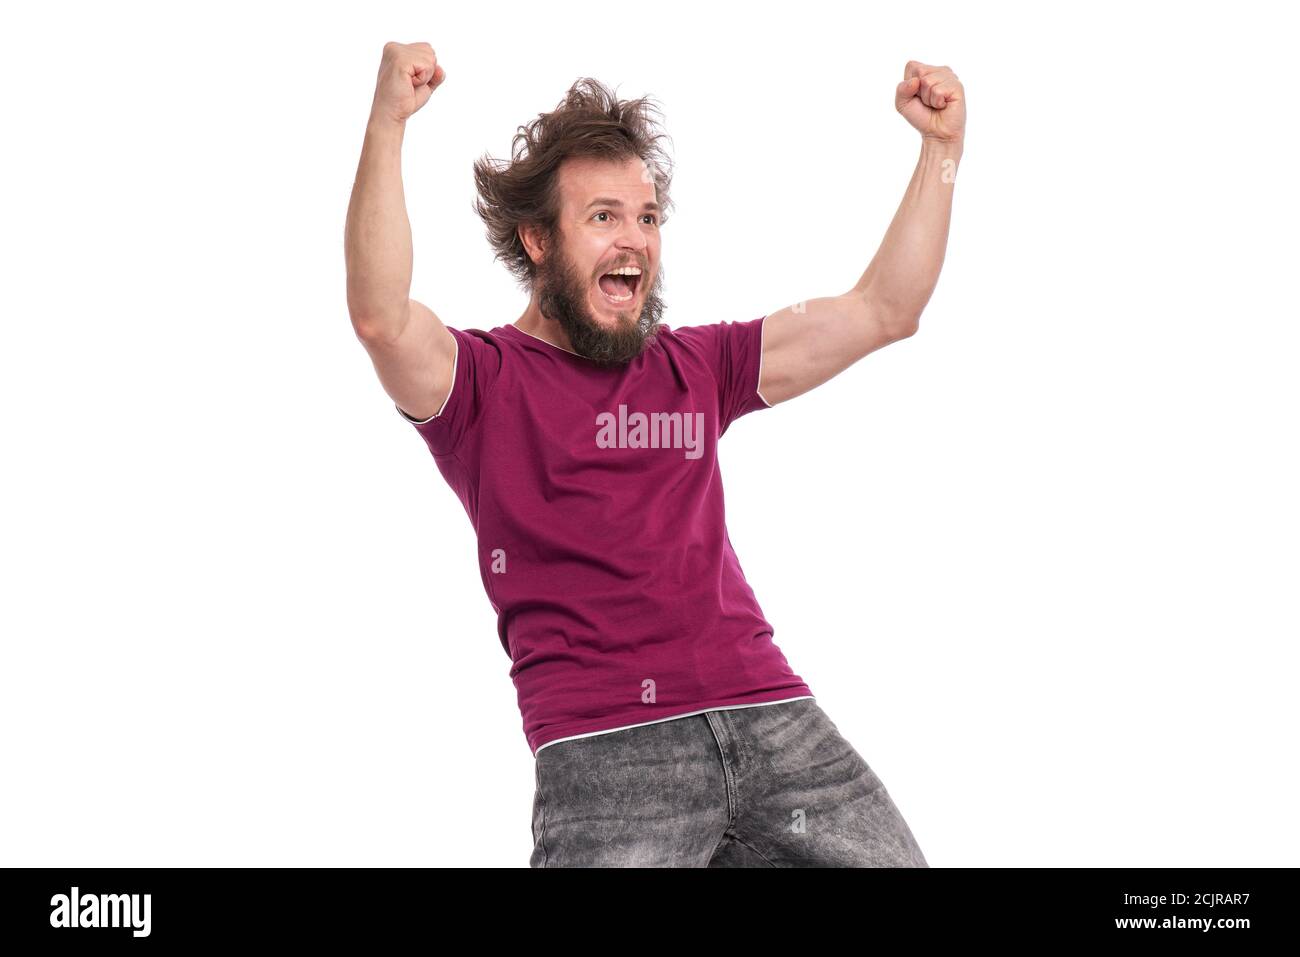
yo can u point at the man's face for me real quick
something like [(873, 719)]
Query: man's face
[(608, 219)]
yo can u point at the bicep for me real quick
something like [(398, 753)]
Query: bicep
[(815, 340), (416, 366)]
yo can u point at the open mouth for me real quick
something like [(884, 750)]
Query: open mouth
[(619, 288)]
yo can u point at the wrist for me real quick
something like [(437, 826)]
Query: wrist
[(385, 125), (943, 147)]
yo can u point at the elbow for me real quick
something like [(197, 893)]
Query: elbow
[(366, 330), (907, 329), (895, 319), (902, 325), (377, 327)]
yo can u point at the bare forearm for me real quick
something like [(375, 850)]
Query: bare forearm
[(902, 275), (377, 238)]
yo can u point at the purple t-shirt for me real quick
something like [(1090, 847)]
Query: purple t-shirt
[(597, 500)]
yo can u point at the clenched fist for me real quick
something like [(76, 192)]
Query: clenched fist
[(408, 75), (932, 99)]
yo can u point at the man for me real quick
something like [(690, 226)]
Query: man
[(667, 727)]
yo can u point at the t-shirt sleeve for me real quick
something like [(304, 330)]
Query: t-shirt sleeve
[(477, 366), (734, 352)]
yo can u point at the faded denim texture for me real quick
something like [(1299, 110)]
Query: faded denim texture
[(767, 786)]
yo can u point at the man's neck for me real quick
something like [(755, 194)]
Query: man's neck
[(535, 324)]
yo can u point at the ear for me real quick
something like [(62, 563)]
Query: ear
[(531, 236)]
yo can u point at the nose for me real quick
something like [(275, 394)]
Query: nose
[(631, 238)]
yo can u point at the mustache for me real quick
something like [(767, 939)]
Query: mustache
[(644, 267)]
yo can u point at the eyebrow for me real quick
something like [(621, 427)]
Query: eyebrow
[(607, 201)]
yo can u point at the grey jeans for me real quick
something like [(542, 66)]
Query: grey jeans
[(765, 786)]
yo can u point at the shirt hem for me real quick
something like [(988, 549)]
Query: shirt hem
[(762, 329), (443, 408), (671, 717)]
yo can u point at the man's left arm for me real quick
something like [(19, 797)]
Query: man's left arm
[(810, 342)]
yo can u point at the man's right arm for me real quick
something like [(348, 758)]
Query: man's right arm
[(412, 351)]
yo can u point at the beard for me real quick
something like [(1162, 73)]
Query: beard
[(562, 296)]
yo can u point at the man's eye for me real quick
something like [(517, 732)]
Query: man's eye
[(651, 216)]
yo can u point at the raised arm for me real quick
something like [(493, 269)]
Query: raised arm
[(412, 351), (812, 341)]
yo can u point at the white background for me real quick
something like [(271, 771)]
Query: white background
[(1038, 562)]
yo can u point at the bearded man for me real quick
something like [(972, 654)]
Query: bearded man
[(666, 726)]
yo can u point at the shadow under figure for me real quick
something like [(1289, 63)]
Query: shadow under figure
[(756, 786)]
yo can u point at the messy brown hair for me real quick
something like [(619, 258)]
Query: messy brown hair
[(589, 121)]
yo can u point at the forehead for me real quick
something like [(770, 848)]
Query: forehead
[(583, 178)]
